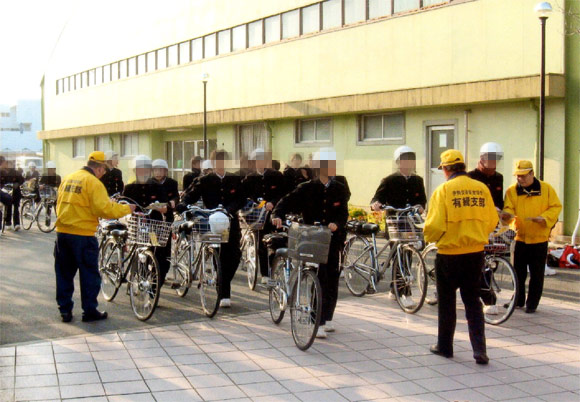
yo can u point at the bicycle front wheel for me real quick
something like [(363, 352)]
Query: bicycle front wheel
[(144, 285), (209, 282), (499, 283), (46, 218), (180, 266), (110, 268), (358, 263), (409, 279), (27, 214), (305, 310), (251, 260), (429, 254), (278, 298)]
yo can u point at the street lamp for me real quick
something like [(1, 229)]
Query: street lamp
[(543, 11), (205, 79)]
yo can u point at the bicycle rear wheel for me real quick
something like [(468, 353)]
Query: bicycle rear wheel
[(144, 285), (305, 309), (46, 217), (429, 254), (251, 260), (27, 214), (409, 279), (277, 298), (358, 263), (110, 268), (209, 281), (501, 282), (180, 266)]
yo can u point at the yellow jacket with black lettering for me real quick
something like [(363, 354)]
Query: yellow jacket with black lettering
[(82, 199), (461, 216), (526, 206)]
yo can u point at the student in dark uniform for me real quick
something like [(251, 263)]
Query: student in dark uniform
[(403, 187), (486, 171), (195, 172), (321, 200), (113, 179), (221, 188), (50, 178), (32, 173), (269, 185), (170, 186), (12, 176)]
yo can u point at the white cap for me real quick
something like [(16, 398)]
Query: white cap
[(491, 147), (31, 164), (324, 154), (110, 155), (142, 161), (403, 149), (160, 163), (206, 165), (50, 165), (257, 153)]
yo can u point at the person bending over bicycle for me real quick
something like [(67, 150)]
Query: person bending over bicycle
[(145, 192), (269, 185), (325, 201), (50, 179), (225, 189)]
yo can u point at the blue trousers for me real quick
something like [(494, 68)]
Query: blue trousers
[(72, 253)]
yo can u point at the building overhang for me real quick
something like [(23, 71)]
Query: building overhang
[(492, 91)]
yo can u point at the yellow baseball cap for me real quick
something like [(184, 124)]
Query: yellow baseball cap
[(451, 157), (523, 167), (97, 156)]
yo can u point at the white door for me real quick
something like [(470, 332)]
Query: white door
[(439, 139)]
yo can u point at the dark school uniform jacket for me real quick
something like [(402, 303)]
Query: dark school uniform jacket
[(189, 177), (269, 186), (397, 191), (494, 183), (113, 181)]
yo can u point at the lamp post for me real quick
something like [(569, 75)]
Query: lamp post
[(205, 79), (543, 11)]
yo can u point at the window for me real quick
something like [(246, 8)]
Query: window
[(162, 58), (130, 144), (98, 75), (405, 5), (239, 38), (106, 73), (25, 127), (141, 64), (311, 19), (354, 11), (331, 14), (432, 2), (78, 147), (290, 24), (78, 82), (379, 8), (103, 143), (313, 130), (225, 41), (252, 136), (114, 71), (132, 67), (209, 46), (184, 48), (179, 153), (123, 69), (92, 77), (383, 128), (59, 87), (272, 27), (151, 61), (172, 56), (196, 49), (255, 34)]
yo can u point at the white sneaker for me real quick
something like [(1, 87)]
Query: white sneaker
[(392, 296), (225, 303), (491, 310), (321, 333), (265, 280), (407, 301), (549, 271), (17, 228), (328, 327)]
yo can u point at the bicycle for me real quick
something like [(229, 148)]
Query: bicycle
[(252, 219), (195, 256), (294, 280), (499, 280), (128, 250), (360, 258), (44, 213)]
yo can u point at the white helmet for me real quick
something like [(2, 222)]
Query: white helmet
[(219, 222), (206, 165), (31, 164), (257, 153), (491, 148), (403, 149), (160, 163), (324, 154), (110, 155), (50, 165), (142, 161)]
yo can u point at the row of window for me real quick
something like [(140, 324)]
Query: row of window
[(3, 114), (306, 20), (129, 145)]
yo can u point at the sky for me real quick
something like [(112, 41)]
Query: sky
[(29, 31)]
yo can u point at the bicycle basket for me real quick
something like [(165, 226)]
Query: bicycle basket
[(309, 243), (148, 232), (500, 240), (201, 230), (48, 193), (252, 217), (403, 227)]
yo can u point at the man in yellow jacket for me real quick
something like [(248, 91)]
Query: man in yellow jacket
[(82, 199), (461, 216), (534, 206)]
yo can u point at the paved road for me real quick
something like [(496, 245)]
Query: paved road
[(28, 310)]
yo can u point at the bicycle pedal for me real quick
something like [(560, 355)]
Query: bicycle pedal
[(371, 290)]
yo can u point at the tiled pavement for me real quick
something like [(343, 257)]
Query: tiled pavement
[(376, 353)]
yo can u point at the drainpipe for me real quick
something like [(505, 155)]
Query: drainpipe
[(466, 136)]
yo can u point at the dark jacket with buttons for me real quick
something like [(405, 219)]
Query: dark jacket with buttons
[(317, 203), (189, 177), (269, 186), (170, 188), (145, 194), (398, 191), (113, 181), (215, 191), (493, 182)]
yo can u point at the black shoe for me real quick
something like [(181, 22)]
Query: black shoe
[(435, 350), (95, 316), (530, 310), (66, 317), (481, 359)]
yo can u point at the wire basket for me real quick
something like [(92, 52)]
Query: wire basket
[(500, 240), (309, 243), (47, 193), (253, 217), (148, 232), (202, 231), (403, 228)]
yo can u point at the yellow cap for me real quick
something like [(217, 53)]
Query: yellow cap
[(523, 167), (451, 157), (97, 156)]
